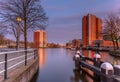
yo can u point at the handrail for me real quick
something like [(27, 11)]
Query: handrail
[(19, 57), (15, 58), (27, 56), (19, 63), (10, 52), (16, 64), (2, 62)]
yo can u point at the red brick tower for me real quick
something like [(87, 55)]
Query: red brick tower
[(40, 38), (92, 29)]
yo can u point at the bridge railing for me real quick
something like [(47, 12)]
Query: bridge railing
[(13, 59)]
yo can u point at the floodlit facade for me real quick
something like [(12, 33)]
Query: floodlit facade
[(92, 29), (40, 38)]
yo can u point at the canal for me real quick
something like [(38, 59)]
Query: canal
[(57, 65)]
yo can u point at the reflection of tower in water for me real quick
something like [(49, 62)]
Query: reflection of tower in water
[(42, 57), (88, 53), (88, 72)]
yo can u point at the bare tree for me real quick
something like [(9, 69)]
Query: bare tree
[(11, 27), (112, 28), (1, 38), (30, 11), (16, 31), (3, 31)]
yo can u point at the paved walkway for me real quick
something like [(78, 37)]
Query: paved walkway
[(20, 57)]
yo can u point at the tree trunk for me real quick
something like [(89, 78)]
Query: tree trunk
[(114, 45), (25, 39), (17, 38), (25, 29), (117, 44), (16, 45)]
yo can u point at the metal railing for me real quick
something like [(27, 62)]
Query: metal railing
[(10, 60)]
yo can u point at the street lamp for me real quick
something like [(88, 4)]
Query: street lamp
[(19, 19)]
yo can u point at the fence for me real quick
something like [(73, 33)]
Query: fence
[(103, 71), (13, 59)]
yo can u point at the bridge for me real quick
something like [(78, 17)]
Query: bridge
[(18, 66)]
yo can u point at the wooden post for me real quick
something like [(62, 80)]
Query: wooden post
[(77, 61), (97, 60), (107, 70), (117, 70)]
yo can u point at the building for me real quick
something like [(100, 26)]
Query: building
[(92, 32), (40, 38), (75, 43), (92, 29)]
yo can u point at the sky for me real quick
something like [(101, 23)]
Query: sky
[(65, 17)]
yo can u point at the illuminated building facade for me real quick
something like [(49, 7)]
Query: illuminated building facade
[(92, 29), (40, 38)]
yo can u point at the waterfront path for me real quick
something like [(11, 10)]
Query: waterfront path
[(15, 59)]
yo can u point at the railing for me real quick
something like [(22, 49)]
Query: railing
[(13, 59)]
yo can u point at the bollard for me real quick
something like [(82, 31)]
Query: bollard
[(117, 70), (97, 60), (77, 63), (78, 52), (107, 70)]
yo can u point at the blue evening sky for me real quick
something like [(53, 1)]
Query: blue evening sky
[(65, 17)]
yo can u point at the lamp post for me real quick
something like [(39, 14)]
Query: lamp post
[(19, 19)]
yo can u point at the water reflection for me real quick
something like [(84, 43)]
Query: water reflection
[(42, 57), (77, 76), (88, 53), (105, 56), (82, 76), (69, 53), (58, 66)]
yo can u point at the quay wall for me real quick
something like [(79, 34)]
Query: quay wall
[(24, 73)]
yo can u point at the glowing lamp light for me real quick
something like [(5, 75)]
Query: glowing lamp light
[(19, 19)]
